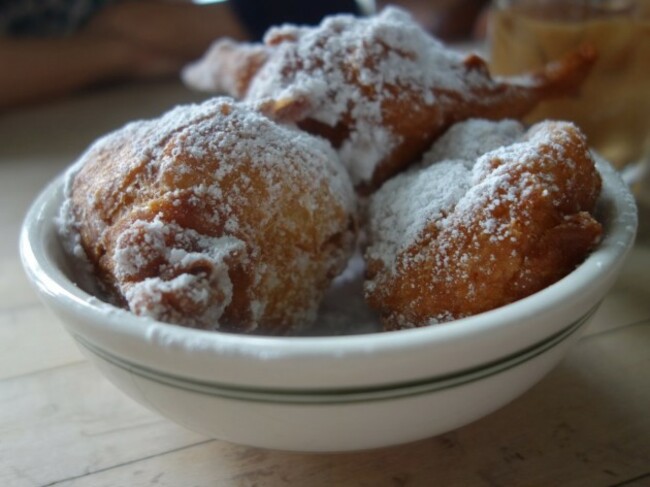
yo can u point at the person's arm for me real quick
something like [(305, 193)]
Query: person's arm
[(127, 40), (181, 29), (39, 69)]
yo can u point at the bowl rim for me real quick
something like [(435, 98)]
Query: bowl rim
[(362, 394), (190, 351)]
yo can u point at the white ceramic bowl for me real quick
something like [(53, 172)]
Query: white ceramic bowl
[(331, 393)]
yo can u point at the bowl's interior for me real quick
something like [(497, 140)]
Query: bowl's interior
[(236, 358)]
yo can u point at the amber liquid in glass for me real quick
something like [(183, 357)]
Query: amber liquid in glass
[(613, 106)]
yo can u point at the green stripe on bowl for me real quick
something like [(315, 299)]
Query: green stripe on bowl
[(339, 396)]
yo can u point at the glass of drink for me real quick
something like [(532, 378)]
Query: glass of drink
[(613, 106)]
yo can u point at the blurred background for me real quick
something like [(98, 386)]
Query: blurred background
[(51, 48)]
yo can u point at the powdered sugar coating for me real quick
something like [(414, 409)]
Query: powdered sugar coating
[(379, 88), (226, 65), (512, 224), (213, 216), (471, 139), (407, 204), (347, 69)]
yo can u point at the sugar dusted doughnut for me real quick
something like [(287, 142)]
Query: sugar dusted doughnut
[(212, 216), (471, 232), (380, 88)]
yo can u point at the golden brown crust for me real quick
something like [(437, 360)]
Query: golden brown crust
[(382, 90), (523, 223), (228, 68), (214, 216)]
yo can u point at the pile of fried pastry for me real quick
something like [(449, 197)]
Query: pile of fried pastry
[(237, 213)]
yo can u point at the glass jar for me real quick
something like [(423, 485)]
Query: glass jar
[(613, 106)]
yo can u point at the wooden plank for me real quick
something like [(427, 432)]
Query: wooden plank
[(15, 290), (31, 340), (629, 300), (69, 421)]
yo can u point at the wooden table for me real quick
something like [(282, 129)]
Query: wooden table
[(61, 423)]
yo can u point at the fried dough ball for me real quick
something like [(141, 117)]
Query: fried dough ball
[(228, 67), (381, 89), (464, 235), (213, 216)]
